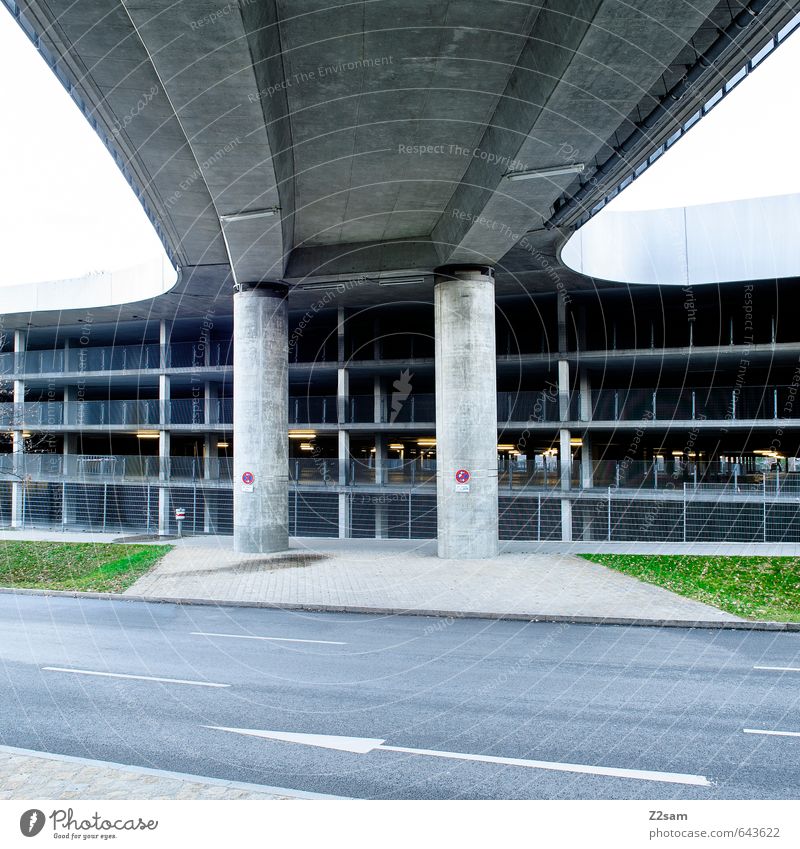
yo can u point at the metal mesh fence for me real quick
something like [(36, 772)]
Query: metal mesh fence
[(526, 518), (313, 514), (696, 515), (109, 508)]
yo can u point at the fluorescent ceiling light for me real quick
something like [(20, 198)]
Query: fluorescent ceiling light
[(249, 213), (396, 446), (223, 445), (535, 173), (147, 434), (302, 434), (401, 281), (322, 287)]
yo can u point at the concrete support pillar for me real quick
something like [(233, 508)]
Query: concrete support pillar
[(344, 500), (466, 412), (340, 326), (565, 475), (565, 459), (563, 391), (587, 466), (380, 458), (164, 337), (211, 393), (342, 401), (585, 396), (210, 472), (377, 392), (260, 418), (566, 520), (561, 309), (163, 477), (18, 442), (381, 517)]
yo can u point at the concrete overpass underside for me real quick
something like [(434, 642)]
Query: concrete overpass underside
[(285, 147)]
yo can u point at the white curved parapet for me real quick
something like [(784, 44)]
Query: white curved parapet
[(753, 239), (104, 289)]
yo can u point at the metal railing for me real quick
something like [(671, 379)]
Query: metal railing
[(693, 404)]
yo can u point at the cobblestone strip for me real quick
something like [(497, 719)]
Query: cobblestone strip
[(26, 774)]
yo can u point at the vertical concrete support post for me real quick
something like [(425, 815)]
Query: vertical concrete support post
[(163, 478), (563, 391), (466, 412), (565, 474), (18, 441), (210, 452), (341, 318), (260, 418), (561, 311), (344, 499), (69, 463), (587, 466), (377, 392), (381, 523), (164, 339)]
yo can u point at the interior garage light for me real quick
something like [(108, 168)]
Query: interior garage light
[(576, 442), (401, 281), (249, 213), (396, 446), (323, 287), (147, 434), (223, 445), (302, 434), (536, 173), (509, 447), (306, 446), (426, 443)]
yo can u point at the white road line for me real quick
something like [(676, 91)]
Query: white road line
[(272, 639), (364, 745), (136, 677), (779, 668), (771, 733)]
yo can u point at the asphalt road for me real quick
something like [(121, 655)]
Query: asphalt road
[(641, 699)]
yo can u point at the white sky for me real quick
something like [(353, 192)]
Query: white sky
[(66, 210)]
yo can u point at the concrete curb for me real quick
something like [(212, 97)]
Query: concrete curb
[(723, 624), (164, 773)]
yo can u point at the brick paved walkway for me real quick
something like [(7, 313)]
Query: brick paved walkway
[(29, 775), (408, 577)]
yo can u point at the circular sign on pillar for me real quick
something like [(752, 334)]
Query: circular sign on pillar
[(462, 480), (248, 479)]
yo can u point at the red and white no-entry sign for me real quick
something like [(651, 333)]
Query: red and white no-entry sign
[(248, 478), (462, 476)]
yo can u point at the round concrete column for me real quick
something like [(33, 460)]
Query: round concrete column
[(260, 419), (466, 412)]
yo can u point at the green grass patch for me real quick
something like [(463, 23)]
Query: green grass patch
[(750, 587), (89, 567)]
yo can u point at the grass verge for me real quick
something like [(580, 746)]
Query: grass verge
[(750, 587), (89, 567)]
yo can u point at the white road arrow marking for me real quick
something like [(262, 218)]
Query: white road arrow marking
[(363, 745)]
